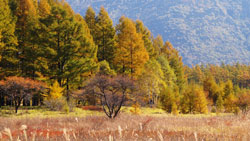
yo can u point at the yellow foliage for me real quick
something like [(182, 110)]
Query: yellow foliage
[(136, 108), (131, 55), (55, 91), (200, 101), (44, 8), (230, 103), (174, 109)]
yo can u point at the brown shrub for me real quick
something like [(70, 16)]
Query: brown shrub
[(92, 108)]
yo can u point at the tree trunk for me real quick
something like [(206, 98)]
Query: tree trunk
[(103, 47), (1, 101), (131, 62), (67, 90), (16, 108)]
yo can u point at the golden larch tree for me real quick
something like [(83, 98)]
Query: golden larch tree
[(131, 55)]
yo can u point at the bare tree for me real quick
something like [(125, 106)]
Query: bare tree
[(112, 92)]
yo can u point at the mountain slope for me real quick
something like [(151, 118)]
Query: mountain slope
[(204, 31)]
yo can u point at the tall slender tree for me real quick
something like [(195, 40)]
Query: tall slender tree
[(90, 18), (44, 8), (27, 23), (175, 61), (70, 48), (105, 37), (131, 54), (146, 36), (194, 100), (8, 41), (152, 81), (157, 44)]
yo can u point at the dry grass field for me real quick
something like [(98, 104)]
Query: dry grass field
[(127, 127)]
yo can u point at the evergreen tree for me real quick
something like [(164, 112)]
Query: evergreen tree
[(175, 61), (90, 18), (228, 88), (175, 109), (105, 37), (157, 44), (44, 8), (212, 89), (70, 50), (131, 54), (219, 104), (188, 100), (169, 75), (169, 100), (230, 103), (194, 100), (8, 41), (244, 100), (196, 74), (200, 101), (26, 27), (88, 47), (146, 36), (104, 69), (170, 95), (152, 81), (55, 91)]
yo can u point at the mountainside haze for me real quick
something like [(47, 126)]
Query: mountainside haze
[(204, 31)]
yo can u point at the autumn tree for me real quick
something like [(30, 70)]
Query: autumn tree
[(170, 96), (90, 18), (220, 103), (228, 88), (200, 101), (194, 100), (175, 62), (229, 97), (237, 73), (196, 74), (112, 92), (88, 48), (18, 89), (157, 44), (104, 69), (169, 74), (26, 25), (44, 8), (211, 88), (8, 41), (131, 54), (188, 101), (55, 91), (230, 103), (151, 81), (244, 100), (70, 50), (105, 36), (169, 99), (146, 37)]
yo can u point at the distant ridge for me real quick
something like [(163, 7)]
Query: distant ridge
[(204, 31)]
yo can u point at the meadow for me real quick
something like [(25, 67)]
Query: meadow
[(152, 124)]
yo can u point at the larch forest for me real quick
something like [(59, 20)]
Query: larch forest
[(55, 59)]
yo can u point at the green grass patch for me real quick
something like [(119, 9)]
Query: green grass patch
[(32, 112), (25, 112), (144, 110)]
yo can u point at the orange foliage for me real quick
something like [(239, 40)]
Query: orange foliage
[(19, 88)]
